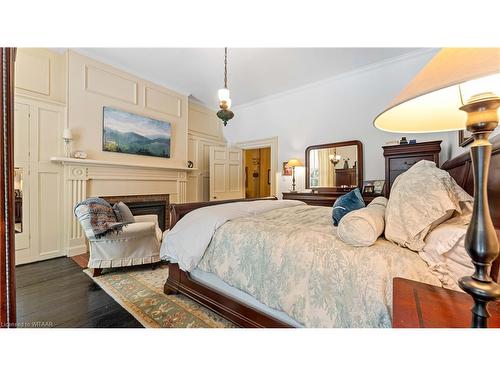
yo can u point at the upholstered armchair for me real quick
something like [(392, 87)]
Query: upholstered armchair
[(138, 243)]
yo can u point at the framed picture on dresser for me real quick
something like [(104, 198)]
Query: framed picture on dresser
[(374, 187), (368, 189), (464, 138), (287, 171)]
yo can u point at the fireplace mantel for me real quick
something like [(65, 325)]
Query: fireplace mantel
[(84, 178), (106, 163)]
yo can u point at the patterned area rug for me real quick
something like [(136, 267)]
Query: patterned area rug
[(140, 291)]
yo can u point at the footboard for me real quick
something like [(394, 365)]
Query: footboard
[(177, 211), (180, 282), (237, 312)]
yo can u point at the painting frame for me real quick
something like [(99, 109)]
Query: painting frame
[(374, 187), (287, 171), (464, 138), (135, 134)]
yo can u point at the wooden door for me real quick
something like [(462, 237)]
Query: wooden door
[(226, 173), (265, 172), (257, 176)]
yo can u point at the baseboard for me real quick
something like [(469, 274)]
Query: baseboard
[(77, 250)]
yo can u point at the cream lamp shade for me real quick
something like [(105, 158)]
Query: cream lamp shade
[(431, 101), (67, 134), (295, 163)]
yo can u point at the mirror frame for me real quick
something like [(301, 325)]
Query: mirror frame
[(330, 145)]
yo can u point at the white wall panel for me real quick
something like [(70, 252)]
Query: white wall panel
[(100, 81), (162, 102), (41, 73), (49, 214), (204, 122), (34, 73), (50, 128)]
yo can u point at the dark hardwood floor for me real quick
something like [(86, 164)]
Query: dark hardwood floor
[(56, 293)]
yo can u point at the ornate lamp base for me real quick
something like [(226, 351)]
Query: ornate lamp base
[(481, 240), (482, 292), (293, 181)]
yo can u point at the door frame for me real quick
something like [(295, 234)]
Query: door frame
[(7, 236), (272, 143)]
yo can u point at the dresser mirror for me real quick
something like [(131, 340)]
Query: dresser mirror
[(334, 167)]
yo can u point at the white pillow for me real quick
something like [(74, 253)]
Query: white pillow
[(421, 198), (362, 227), (445, 253)]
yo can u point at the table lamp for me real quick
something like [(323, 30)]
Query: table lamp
[(294, 163), (67, 136), (460, 89)]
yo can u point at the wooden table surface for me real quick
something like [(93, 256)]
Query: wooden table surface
[(418, 305)]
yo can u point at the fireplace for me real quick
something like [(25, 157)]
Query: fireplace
[(156, 204)]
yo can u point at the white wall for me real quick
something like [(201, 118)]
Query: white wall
[(337, 109), (457, 150)]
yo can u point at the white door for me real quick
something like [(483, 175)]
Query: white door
[(22, 183), (226, 173), (37, 136)]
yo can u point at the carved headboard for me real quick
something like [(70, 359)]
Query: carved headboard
[(460, 168)]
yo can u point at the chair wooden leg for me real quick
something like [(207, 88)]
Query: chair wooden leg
[(96, 272)]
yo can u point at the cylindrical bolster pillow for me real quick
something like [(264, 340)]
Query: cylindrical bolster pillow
[(362, 227)]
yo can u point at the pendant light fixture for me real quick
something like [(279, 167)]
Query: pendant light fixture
[(335, 158), (225, 114)]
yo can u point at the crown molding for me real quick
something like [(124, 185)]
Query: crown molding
[(326, 81)]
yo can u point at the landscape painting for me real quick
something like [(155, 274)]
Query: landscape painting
[(129, 133)]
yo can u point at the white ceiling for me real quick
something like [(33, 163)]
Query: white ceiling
[(253, 73)]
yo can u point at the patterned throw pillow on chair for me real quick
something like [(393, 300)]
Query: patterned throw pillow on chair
[(99, 215), (123, 213), (345, 204)]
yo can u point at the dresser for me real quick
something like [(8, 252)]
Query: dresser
[(320, 199), (345, 176), (400, 158)]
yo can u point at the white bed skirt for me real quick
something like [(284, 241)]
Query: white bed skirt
[(123, 262)]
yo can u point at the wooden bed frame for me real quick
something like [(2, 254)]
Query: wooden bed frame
[(180, 281), (245, 316)]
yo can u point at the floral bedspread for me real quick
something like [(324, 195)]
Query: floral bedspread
[(292, 260)]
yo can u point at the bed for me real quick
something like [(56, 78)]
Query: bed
[(254, 303)]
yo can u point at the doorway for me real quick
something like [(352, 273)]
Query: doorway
[(257, 172)]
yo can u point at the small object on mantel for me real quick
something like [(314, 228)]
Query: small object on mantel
[(392, 143), (413, 141), (80, 155), (403, 141)]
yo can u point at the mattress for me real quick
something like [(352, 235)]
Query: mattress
[(212, 281)]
